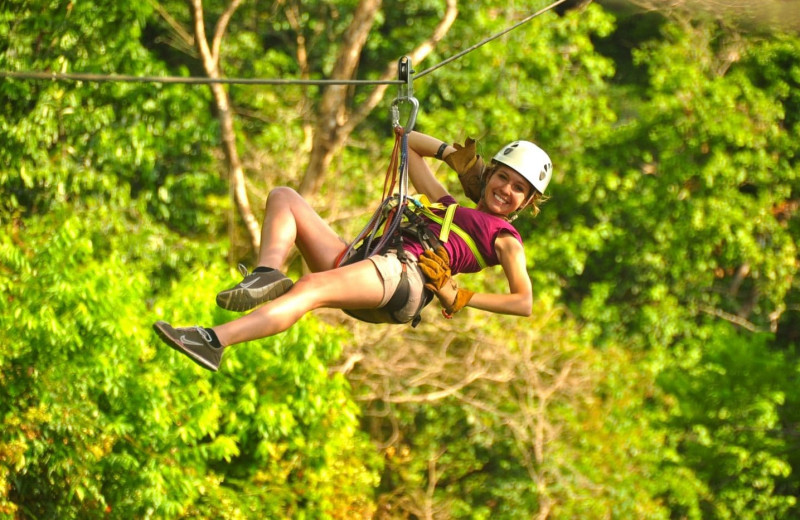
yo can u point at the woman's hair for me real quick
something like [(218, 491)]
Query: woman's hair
[(534, 201), (537, 199)]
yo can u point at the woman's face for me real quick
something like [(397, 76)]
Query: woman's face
[(506, 191)]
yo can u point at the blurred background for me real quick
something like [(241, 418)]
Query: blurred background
[(656, 378)]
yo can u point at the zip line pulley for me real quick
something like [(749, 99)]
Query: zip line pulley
[(405, 94)]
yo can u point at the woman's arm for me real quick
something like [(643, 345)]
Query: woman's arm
[(420, 174), (518, 301)]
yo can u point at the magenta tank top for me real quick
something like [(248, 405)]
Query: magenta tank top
[(482, 227)]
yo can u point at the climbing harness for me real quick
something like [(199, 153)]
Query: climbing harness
[(447, 225), (382, 232), (401, 215)]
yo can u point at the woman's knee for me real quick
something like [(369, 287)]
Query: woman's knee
[(310, 287), (283, 193)]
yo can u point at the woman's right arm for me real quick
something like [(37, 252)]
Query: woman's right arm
[(420, 174)]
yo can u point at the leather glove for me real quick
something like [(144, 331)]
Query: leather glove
[(435, 265), (464, 157), (469, 166), (463, 296)]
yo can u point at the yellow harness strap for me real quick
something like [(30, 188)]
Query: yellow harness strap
[(449, 214), (448, 225)]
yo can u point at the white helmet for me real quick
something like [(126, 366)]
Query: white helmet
[(528, 160)]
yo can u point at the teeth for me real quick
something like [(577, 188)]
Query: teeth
[(500, 200)]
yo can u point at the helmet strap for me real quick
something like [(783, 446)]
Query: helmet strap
[(513, 216)]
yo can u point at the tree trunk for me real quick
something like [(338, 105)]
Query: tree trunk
[(333, 108), (335, 121), (210, 56)]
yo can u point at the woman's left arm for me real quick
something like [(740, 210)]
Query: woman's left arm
[(519, 300)]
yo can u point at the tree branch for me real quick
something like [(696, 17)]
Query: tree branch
[(209, 63), (184, 35), (224, 114), (335, 123), (222, 25), (736, 320), (416, 55)]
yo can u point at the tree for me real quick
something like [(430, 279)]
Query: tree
[(726, 410), (110, 202), (655, 378), (335, 118)]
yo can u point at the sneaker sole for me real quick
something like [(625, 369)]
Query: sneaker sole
[(169, 340), (241, 300)]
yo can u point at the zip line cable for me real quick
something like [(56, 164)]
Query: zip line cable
[(489, 39), (189, 79), (60, 76)]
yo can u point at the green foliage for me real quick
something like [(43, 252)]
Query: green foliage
[(676, 212), (97, 419), (99, 183), (726, 394), (656, 380), (67, 142)]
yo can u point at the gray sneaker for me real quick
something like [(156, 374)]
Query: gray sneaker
[(255, 289), (195, 342)]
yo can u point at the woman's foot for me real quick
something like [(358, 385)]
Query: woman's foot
[(260, 286), (195, 342)]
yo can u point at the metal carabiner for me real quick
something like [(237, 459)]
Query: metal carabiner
[(412, 116)]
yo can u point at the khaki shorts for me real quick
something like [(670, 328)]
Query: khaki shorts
[(390, 269)]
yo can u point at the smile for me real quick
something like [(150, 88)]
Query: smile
[(499, 199)]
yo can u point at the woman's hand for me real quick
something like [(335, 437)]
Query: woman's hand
[(435, 265), (470, 168)]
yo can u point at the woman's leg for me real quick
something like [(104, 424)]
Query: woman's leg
[(355, 286), (288, 221)]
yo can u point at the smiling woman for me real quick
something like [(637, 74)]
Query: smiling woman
[(526, 168), (393, 284)]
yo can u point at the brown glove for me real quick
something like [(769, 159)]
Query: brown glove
[(435, 265), (463, 296), (469, 166)]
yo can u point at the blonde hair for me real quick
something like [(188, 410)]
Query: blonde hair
[(536, 199)]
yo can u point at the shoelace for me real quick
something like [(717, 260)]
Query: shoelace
[(203, 332), (243, 270)]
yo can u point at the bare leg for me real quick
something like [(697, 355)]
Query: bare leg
[(289, 220), (356, 286)]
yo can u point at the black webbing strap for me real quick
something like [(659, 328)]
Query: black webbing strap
[(416, 228)]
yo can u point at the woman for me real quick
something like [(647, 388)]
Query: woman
[(517, 178)]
